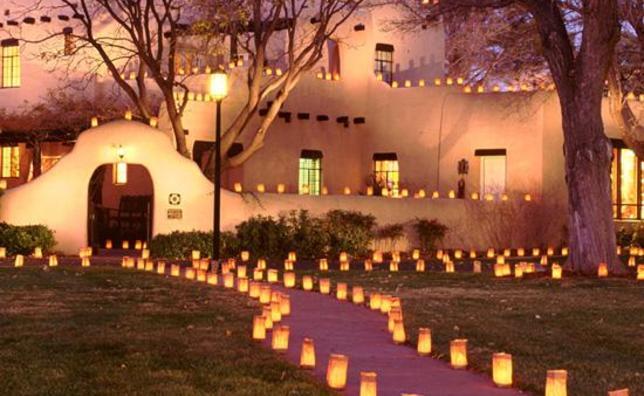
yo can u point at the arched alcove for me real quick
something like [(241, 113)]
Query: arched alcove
[(120, 211)]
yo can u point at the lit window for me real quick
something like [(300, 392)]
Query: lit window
[(10, 161), (10, 63), (310, 178), (384, 67), (386, 173), (493, 171), (626, 183)]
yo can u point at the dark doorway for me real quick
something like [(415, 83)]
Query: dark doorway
[(120, 212)]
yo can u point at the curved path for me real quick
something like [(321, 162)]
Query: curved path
[(361, 334)]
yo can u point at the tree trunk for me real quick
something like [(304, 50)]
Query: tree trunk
[(36, 159), (588, 160), (177, 126)]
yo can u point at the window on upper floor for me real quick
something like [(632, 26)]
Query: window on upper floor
[(386, 173), (334, 58), (10, 161), (627, 172), (69, 44), (310, 172), (493, 171), (10, 61), (384, 64)]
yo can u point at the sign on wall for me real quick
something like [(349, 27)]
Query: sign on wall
[(175, 214), (174, 199)]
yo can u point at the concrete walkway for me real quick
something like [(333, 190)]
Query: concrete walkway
[(361, 334)]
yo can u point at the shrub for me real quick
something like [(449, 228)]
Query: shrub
[(391, 233), (265, 236), (429, 233), (307, 234), (24, 239), (349, 231), (180, 244)]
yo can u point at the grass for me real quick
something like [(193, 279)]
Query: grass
[(107, 331), (593, 328)]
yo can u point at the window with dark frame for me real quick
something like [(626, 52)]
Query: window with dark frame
[(386, 173), (10, 161), (310, 172), (384, 62), (627, 171), (10, 63), (69, 41)]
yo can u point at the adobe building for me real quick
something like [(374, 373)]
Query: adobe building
[(378, 115)]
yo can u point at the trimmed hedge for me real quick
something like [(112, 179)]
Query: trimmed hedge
[(24, 239)]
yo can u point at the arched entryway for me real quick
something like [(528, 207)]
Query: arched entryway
[(120, 211)]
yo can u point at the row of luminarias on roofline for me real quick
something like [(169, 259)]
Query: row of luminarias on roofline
[(369, 191)]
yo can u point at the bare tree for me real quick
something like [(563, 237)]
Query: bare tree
[(287, 36), (134, 42), (577, 40)]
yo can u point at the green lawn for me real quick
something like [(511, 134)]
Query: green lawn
[(593, 328), (114, 332)]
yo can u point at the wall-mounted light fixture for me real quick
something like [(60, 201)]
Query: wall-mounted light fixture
[(119, 168)]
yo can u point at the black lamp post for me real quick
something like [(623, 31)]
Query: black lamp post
[(218, 91)]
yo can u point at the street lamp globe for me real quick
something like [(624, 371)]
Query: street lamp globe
[(219, 85)]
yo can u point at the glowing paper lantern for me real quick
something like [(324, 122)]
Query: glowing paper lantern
[(254, 290), (289, 265), (108, 244), (341, 291), (281, 188), (377, 257), (323, 264), (175, 270), (368, 265), (368, 384), (620, 392), (415, 255), (19, 261), (272, 276), (472, 254), (280, 338), (544, 260), (237, 187), (307, 354), (518, 271), (393, 266), (385, 304), (458, 254), (285, 305), (307, 282), (229, 280), (490, 253), (458, 353), (94, 122), (37, 253), (536, 252), (292, 256), (265, 294), (420, 265), (502, 369), (556, 383), (196, 255), (336, 373), (343, 256), (261, 188), (266, 313), (424, 341), (289, 279), (259, 327), (550, 251), (375, 300), (140, 264), (556, 271), (276, 312), (3, 252), (399, 336), (325, 286), (520, 252), (640, 272), (258, 274), (564, 251), (149, 267), (125, 245), (242, 285), (261, 264), (345, 266), (449, 267), (631, 261), (190, 273), (145, 253), (357, 295), (602, 270), (53, 261), (85, 262)]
